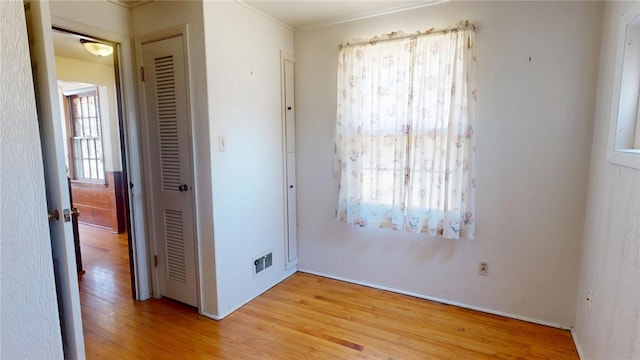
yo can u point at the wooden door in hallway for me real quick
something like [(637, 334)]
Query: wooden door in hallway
[(38, 18), (169, 159)]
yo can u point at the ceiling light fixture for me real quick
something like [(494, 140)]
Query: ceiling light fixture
[(96, 48)]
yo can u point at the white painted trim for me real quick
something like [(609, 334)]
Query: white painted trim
[(163, 34), (373, 14), (615, 155), (577, 344), (443, 301), (287, 274), (291, 265), (131, 5), (263, 14), (210, 316)]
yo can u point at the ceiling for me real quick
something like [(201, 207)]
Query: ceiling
[(294, 13), (310, 13), (68, 46)]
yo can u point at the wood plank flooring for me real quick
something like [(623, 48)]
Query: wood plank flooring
[(305, 317)]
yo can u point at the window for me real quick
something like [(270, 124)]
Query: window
[(624, 137), (404, 132), (85, 135)]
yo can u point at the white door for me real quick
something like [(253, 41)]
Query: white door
[(169, 156), (290, 158), (43, 64)]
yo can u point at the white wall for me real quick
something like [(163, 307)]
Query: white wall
[(73, 70), (610, 258), (235, 87), (30, 328), (156, 16), (243, 75), (537, 65), (99, 14)]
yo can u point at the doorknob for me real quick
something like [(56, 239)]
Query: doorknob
[(75, 212), (183, 187), (55, 214)]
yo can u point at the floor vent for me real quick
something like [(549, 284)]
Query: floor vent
[(262, 263)]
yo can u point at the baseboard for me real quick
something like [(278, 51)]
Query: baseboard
[(210, 316), (291, 265), (448, 302), (286, 274), (577, 344)]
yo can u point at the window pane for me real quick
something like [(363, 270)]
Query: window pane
[(94, 169), (86, 127), (100, 170), (94, 126), (91, 104), (84, 153), (86, 169), (92, 148), (98, 148), (79, 171), (85, 106)]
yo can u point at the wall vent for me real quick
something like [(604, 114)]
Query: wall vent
[(262, 263)]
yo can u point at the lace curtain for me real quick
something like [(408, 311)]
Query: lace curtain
[(404, 133)]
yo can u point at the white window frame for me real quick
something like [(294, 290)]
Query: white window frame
[(624, 135), (73, 137)]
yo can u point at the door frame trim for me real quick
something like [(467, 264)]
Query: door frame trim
[(139, 41)]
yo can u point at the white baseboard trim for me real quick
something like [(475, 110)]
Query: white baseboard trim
[(292, 264), (577, 344), (287, 274), (210, 316), (448, 302)]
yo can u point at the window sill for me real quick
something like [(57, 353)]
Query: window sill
[(629, 151), (625, 157)]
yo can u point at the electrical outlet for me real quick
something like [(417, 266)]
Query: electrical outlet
[(589, 299), (483, 269)]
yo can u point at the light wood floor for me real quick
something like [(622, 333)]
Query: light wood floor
[(305, 317)]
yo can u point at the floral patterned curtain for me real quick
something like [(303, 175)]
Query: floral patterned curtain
[(404, 133)]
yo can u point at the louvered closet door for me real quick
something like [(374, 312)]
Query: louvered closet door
[(171, 180)]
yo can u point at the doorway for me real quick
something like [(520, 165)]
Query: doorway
[(90, 126), (91, 122), (40, 31)]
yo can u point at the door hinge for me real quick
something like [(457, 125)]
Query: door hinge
[(142, 72), (155, 260)]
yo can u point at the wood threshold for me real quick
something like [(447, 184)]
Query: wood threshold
[(304, 317)]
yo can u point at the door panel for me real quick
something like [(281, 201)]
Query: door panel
[(290, 159), (169, 157), (292, 233), (63, 250), (290, 104)]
